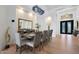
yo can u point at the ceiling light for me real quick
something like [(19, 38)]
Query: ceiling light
[(21, 10), (30, 15)]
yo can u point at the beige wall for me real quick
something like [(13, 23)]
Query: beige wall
[(24, 15), (7, 13), (11, 15), (3, 26)]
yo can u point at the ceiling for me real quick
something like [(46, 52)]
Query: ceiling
[(47, 8)]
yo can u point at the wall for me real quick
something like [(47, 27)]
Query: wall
[(24, 15), (77, 16), (11, 15), (7, 13), (3, 26)]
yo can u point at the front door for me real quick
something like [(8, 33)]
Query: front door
[(66, 27)]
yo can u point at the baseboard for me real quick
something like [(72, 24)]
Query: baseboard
[(55, 35)]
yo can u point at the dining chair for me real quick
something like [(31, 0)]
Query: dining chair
[(47, 35), (43, 36), (19, 42), (50, 33), (36, 41), (43, 39)]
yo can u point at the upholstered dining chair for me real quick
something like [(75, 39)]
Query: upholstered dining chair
[(35, 42), (19, 42), (47, 35), (43, 39), (50, 33), (43, 36)]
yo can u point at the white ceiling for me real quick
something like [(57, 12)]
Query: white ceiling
[(47, 8)]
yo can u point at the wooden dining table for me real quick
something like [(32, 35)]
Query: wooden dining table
[(29, 36)]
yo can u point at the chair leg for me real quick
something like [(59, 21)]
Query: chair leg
[(33, 50), (42, 45), (38, 48), (20, 50), (17, 48)]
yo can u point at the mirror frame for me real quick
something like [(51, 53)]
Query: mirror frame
[(24, 20)]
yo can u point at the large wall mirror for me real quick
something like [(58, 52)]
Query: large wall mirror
[(24, 24)]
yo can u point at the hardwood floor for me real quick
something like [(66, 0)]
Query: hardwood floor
[(64, 44), (11, 50)]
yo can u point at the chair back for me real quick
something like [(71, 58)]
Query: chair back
[(50, 33), (37, 39), (43, 36), (17, 39), (47, 34)]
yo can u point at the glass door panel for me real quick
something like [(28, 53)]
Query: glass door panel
[(68, 27), (63, 27)]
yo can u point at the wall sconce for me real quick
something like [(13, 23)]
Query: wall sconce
[(21, 10), (48, 21), (30, 15)]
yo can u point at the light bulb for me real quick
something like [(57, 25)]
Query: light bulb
[(30, 15), (21, 10), (48, 20)]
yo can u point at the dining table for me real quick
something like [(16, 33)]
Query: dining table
[(29, 36)]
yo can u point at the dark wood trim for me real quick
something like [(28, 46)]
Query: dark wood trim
[(24, 20)]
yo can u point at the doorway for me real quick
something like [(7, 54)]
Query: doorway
[(66, 27)]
